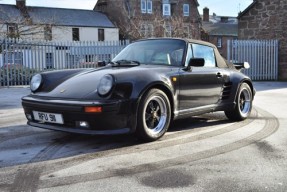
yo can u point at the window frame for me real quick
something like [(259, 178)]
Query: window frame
[(143, 6), (186, 31), (219, 42), (147, 30), (12, 30), (168, 11), (75, 34), (101, 34), (149, 6), (186, 12), (168, 30)]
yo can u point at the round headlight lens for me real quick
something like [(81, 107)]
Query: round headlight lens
[(35, 82), (105, 85)]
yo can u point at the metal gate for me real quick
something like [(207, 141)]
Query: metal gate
[(262, 56), (20, 60)]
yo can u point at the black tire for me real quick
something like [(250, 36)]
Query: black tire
[(243, 105), (154, 115)]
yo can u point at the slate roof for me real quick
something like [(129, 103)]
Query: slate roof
[(56, 16), (221, 26), (222, 29)]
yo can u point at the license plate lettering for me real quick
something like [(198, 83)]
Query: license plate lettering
[(48, 117), (43, 116), (52, 118)]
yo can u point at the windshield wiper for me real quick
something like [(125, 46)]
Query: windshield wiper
[(124, 61)]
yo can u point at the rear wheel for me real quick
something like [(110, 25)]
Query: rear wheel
[(154, 115), (243, 104)]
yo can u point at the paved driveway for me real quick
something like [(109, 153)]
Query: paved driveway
[(204, 153)]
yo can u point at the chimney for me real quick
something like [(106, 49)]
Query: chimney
[(21, 4), (224, 19), (206, 14)]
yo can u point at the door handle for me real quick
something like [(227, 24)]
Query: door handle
[(219, 75)]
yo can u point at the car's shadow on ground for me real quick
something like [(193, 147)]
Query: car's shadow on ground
[(56, 145)]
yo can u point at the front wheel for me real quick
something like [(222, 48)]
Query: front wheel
[(154, 115), (243, 105)]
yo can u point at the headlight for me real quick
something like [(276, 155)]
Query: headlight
[(35, 82), (105, 85)]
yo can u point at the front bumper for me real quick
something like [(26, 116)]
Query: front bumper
[(116, 117)]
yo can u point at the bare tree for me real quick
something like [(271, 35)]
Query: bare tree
[(133, 24), (21, 26)]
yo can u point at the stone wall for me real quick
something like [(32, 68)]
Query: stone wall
[(266, 19)]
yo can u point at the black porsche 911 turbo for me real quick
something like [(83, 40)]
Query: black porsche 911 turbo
[(146, 86)]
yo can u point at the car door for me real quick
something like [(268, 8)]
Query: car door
[(200, 86)]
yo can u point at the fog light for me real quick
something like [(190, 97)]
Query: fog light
[(84, 124), (28, 116)]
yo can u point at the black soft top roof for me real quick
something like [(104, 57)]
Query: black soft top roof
[(221, 62)]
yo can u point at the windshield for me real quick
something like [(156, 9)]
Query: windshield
[(155, 52)]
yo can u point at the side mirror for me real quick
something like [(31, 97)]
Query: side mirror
[(196, 62), (101, 63), (244, 65)]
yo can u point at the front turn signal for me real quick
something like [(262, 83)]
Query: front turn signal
[(93, 109)]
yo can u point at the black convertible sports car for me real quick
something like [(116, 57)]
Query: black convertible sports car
[(146, 86)]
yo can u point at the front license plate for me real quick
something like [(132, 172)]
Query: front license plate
[(48, 117)]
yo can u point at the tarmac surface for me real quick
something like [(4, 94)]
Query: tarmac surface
[(202, 153)]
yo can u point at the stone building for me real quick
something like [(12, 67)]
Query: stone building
[(153, 18), (54, 24), (265, 19), (218, 30)]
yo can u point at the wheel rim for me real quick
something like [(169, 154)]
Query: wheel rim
[(244, 102), (155, 114)]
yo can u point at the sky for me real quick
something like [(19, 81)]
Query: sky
[(219, 7)]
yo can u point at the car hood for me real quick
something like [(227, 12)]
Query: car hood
[(83, 85)]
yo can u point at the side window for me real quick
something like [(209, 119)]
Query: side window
[(205, 52)]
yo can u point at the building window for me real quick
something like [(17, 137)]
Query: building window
[(149, 30), (186, 31), (166, 9), (185, 9), (143, 6), (127, 7), (101, 35), (48, 33), (167, 30), (12, 31), (143, 30), (219, 42), (15, 58), (76, 34), (49, 61), (149, 6)]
